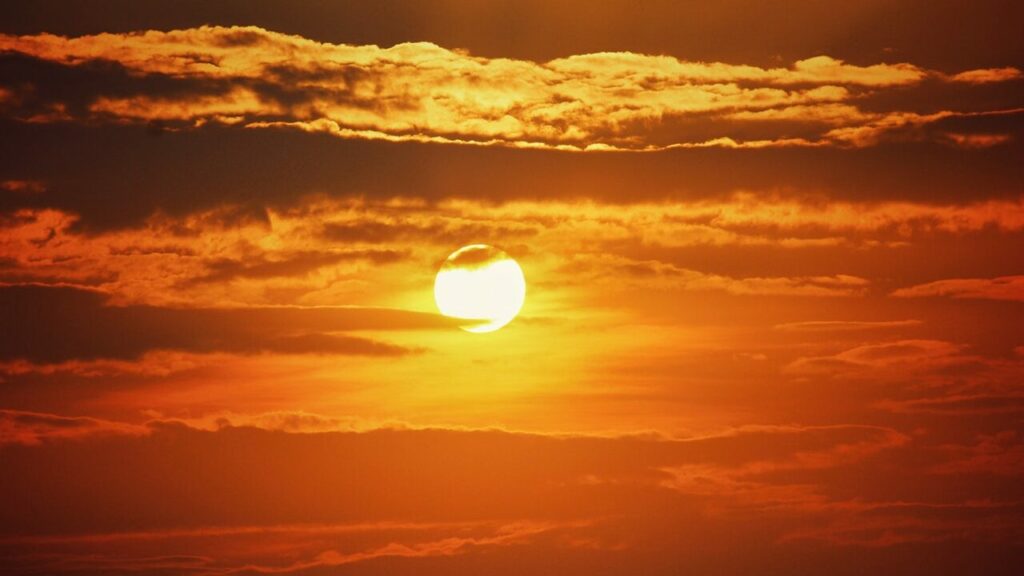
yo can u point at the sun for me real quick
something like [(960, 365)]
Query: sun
[(482, 284)]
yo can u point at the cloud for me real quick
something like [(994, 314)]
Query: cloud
[(654, 69), (901, 355), (621, 272), (845, 325), (416, 496), (57, 324), (253, 52), (421, 92), (901, 523), (1002, 288), (987, 75), (736, 31), (422, 494), (959, 405), (291, 421), (541, 468), (32, 428), (1000, 454), (916, 126), (21, 186), (299, 548), (162, 172), (977, 140), (505, 536), (320, 250), (150, 364), (298, 264)]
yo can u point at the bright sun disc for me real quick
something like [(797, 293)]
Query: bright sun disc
[(480, 283)]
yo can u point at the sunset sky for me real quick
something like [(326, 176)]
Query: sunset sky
[(774, 315)]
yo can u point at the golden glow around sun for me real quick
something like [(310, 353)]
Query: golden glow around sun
[(480, 283)]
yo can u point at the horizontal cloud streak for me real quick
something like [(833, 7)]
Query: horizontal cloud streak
[(30, 428), (347, 498), (845, 325), (317, 245), (1004, 288), (425, 93), (57, 324)]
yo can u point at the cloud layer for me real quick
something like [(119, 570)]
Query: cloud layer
[(773, 267), (425, 93), (578, 498), (57, 324)]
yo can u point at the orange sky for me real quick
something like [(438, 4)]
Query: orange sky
[(773, 321)]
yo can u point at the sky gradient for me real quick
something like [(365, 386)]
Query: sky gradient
[(774, 320)]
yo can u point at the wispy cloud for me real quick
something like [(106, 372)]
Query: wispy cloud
[(845, 325), (1002, 288), (31, 428), (41, 317)]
